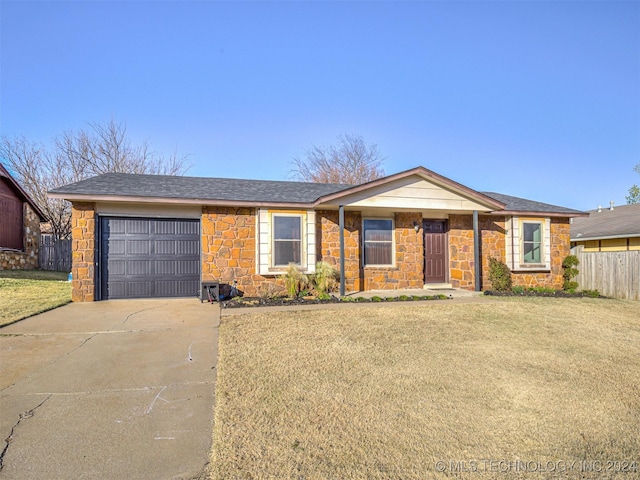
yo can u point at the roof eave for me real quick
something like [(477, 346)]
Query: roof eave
[(175, 201), (605, 237), (533, 213)]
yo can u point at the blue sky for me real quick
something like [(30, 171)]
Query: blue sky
[(538, 99)]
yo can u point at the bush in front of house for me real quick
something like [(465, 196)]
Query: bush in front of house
[(499, 275), (570, 271)]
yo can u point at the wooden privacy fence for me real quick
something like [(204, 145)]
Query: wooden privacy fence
[(55, 253), (613, 274)]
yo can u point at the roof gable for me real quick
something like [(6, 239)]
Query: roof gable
[(19, 191), (413, 192)]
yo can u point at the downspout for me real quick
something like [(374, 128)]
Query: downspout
[(476, 251), (513, 248), (341, 226)]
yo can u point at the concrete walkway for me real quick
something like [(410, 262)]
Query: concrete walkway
[(116, 389)]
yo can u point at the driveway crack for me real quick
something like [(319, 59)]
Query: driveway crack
[(23, 416), (53, 362), (140, 311)]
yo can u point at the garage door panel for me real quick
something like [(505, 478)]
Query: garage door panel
[(145, 257), (187, 267), (116, 247), (165, 267), (117, 267), (188, 247), (165, 247), (138, 247), (188, 229), (138, 226), (138, 267)]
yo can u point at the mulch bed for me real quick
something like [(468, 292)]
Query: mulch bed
[(244, 302), (556, 294)]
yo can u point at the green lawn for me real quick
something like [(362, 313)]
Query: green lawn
[(24, 293), (510, 387)]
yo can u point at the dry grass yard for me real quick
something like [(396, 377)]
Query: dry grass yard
[(508, 387), (24, 293)]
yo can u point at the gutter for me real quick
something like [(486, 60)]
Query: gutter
[(607, 237)]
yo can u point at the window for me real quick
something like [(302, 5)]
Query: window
[(528, 244), (287, 240), (532, 242), (378, 242)]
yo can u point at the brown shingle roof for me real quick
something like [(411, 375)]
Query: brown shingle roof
[(621, 222)]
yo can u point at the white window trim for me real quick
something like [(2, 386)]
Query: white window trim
[(515, 245), (393, 244), (272, 239), (264, 247)]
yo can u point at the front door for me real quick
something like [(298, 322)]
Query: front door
[(435, 251)]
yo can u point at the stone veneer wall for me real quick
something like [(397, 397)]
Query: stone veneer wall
[(560, 248), (229, 248), (409, 252), (28, 258), (83, 231), (493, 238)]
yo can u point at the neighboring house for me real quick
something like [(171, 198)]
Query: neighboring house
[(157, 236), (20, 221), (607, 245), (612, 229)]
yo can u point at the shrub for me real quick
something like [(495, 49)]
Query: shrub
[(326, 278), (591, 293), (294, 280), (518, 289), (570, 272), (499, 275)]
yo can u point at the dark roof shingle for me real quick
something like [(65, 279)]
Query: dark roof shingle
[(517, 204), (200, 188)]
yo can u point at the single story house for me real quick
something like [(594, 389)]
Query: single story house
[(159, 236), (612, 229), (20, 219)]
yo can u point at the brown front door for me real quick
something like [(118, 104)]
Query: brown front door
[(435, 251)]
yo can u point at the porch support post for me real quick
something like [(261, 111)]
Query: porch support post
[(341, 226), (476, 253)]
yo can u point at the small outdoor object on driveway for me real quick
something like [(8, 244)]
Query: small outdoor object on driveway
[(115, 389)]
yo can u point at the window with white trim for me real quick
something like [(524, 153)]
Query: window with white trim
[(377, 242), (528, 243), (287, 240), (532, 242)]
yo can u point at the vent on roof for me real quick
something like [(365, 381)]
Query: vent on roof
[(611, 205)]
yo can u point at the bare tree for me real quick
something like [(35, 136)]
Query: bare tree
[(75, 156), (351, 161)]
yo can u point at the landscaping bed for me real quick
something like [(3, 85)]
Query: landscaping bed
[(244, 302), (543, 292)]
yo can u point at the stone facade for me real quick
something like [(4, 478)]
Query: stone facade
[(408, 271), (229, 251), (229, 248), (493, 238), (27, 259), (560, 248), (83, 230)]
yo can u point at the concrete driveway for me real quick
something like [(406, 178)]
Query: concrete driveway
[(115, 389)]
